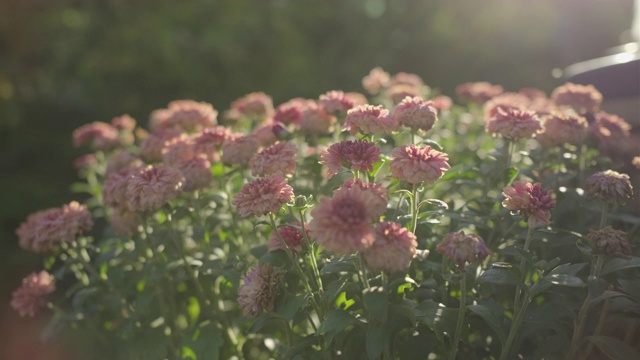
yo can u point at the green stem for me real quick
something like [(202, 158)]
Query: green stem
[(599, 326), (582, 315), (604, 214), (510, 145), (414, 208), (312, 254), (362, 271), (461, 313)]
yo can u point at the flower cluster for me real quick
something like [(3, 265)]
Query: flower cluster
[(532, 201), (29, 298)]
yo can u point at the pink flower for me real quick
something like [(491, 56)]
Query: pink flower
[(152, 147), (532, 201), (376, 80), (315, 121), (393, 248), (369, 119), (418, 164), (124, 122), (29, 298), (416, 113), (478, 92), (403, 78), (356, 98), (85, 161), (342, 224), (257, 295), (114, 189), (120, 160), (609, 241), (400, 91), (463, 248), (609, 186), (44, 230), (636, 162), (358, 155), (264, 132), (188, 115), (256, 104), (514, 124), (280, 157), (374, 195), (153, 187), (291, 111), (179, 150), (562, 129), (196, 172), (608, 131), (100, 135), (209, 142), (581, 98), (505, 102), (124, 221), (442, 103), (239, 149), (292, 236), (335, 102), (263, 196)]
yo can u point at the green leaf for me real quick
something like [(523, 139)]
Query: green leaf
[(437, 317), (376, 303), (290, 307), (377, 339), (607, 294), (434, 144), (436, 202), (568, 269), (500, 276), (339, 266), (492, 319), (207, 341), (335, 321), (510, 175), (584, 248), (565, 280), (614, 349), (619, 263), (188, 354), (193, 309), (332, 290)]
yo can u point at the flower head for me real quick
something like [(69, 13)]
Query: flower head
[(463, 248), (184, 114), (153, 187), (291, 111), (114, 189), (636, 162), (609, 241), (418, 164), (376, 80), (123, 159), (124, 221), (44, 230), (357, 155), (581, 98), (478, 92), (375, 196), (239, 149), (514, 124), (316, 121), (532, 201), (416, 113), (29, 298), (256, 104), (335, 102), (369, 119), (152, 147), (257, 295), (265, 133), (263, 195), (562, 129), (280, 157), (209, 142), (609, 186), (393, 248), (400, 91), (100, 135), (196, 172), (124, 122), (403, 78), (291, 235), (442, 103)]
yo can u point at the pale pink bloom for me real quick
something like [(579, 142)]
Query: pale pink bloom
[(239, 149), (85, 161), (279, 157), (376, 80), (124, 221), (609, 241), (533, 93), (124, 122), (418, 164), (403, 78), (609, 186), (357, 155), (291, 111), (196, 172), (179, 150), (374, 195), (356, 98), (257, 295), (209, 142), (514, 124), (342, 224), (264, 133), (28, 299), (44, 230), (562, 129), (478, 92), (616, 125), (369, 119), (263, 196), (400, 91), (315, 121), (636, 162), (581, 98), (188, 115), (256, 104), (505, 102), (416, 114), (335, 102), (532, 201), (461, 248), (442, 103), (152, 147), (612, 135), (231, 116), (114, 189), (100, 135), (120, 160), (393, 248), (153, 187), (292, 236)]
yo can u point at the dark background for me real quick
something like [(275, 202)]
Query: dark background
[(66, 63)]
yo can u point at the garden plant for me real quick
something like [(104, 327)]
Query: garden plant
[(396, 225)]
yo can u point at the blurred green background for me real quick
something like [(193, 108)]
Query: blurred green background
[(66, 63)]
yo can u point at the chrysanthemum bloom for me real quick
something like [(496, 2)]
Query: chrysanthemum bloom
[(393, 248), (418, 164), (504, 101), (376, 80), (292, 236), (263, 196), (581, 98), (256, 104), (291, 111), (357, 155), (179, 150), (152, 147), (636, 162), (209, 142), (231, 116), (478, 92), (403, 78), (114, 189), (239, 149), (257, 295), (514, 124), (85, 161), (196, 172), (442, 103), (562, 129), (461, 248), (29, 298), (416, 113), (356, 98), (609, 186), (124, 221), (374, 195), (369, 119), (334, 102), (44, 230), (122, 159), (532, 201), (615, 124), (191, 115), (100, 135), (400, 91), (342, 224), (315, 121), (280, 157), (609, 241), (124, 122), (264, 132), (153, 187)]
